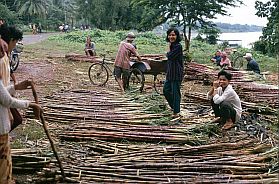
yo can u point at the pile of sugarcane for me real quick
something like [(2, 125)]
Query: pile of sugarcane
[(259, 94), (239, 162), (246, 88), (82, 58), (248, 106), (29, 160), (115, 141), (90, 130)]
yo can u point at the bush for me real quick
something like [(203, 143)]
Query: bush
[(9, 16), (260, 46)]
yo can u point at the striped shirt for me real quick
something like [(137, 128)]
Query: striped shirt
[(5, 69), (124, 53), (175, 63)]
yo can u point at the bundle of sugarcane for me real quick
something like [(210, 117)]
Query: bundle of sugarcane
[(29, 160), (249, 106), (240, 162), (83, 58), (136, 133)]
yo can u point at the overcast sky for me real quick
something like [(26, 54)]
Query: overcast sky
[(245, 14)]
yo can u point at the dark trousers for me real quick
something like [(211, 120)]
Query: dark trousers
[(172, 94), (224, 110)]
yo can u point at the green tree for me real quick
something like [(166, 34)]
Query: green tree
[(9, 16), (37, 8), (211, 34), (109, 14), (270, 36), (190, 14)]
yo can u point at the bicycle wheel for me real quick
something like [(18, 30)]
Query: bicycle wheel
[(159, 81), (14, 62), (136, 80), (238, 62), (98, 74)]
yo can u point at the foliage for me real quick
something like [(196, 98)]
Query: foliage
[(149, 43), (260, 45), (146, 42), (32, 7), (211, 35), (9, 16), (271, 32), (109, 14), (190, 14)]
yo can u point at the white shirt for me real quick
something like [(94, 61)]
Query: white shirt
[(230, 96), (6, 102)]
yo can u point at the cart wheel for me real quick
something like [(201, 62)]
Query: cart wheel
[(136, 80), (98, 74), (159, 81)]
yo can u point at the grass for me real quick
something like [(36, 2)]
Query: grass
[(148, 43), (27, 134)]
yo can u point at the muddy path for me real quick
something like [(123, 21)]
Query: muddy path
[(32, 39)]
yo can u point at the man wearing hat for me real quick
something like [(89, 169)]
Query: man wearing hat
[(252, 65), (122, 61)]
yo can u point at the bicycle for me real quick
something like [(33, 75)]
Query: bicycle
[(237, 60), (14, 58), (99, 73)]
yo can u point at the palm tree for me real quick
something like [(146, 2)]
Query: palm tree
[(33, 7)]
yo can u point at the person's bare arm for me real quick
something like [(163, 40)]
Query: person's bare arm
[(3, 48), (24, 85), (213, 90)]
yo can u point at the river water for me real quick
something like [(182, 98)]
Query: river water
[(246, 37)]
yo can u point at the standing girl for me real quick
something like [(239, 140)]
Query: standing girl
[(174, 74)]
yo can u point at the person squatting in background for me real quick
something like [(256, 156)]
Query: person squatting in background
[(252, 65), (225, 61), (217, 58), (89, 47)]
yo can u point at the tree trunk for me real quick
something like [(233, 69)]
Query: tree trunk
[(186, 40), (187, 37)]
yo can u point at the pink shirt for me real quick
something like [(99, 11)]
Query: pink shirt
[(225, 61), (124, 53)]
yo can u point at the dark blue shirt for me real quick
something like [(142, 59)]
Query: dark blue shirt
[(218, 60), (252, 65), (175, 63)]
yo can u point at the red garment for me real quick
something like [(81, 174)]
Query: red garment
[(124, 53)]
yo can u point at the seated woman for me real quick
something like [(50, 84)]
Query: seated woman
[(89, 47), (225, 61), (224, 101), (217, 58)]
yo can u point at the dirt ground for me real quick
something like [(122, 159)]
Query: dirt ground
[(51, 74)]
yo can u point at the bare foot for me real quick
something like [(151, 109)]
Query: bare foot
[(228, 125)]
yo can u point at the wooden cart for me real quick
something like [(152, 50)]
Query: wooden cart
[(151, 65)]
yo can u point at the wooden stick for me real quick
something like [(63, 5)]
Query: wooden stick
[(52, 145)]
